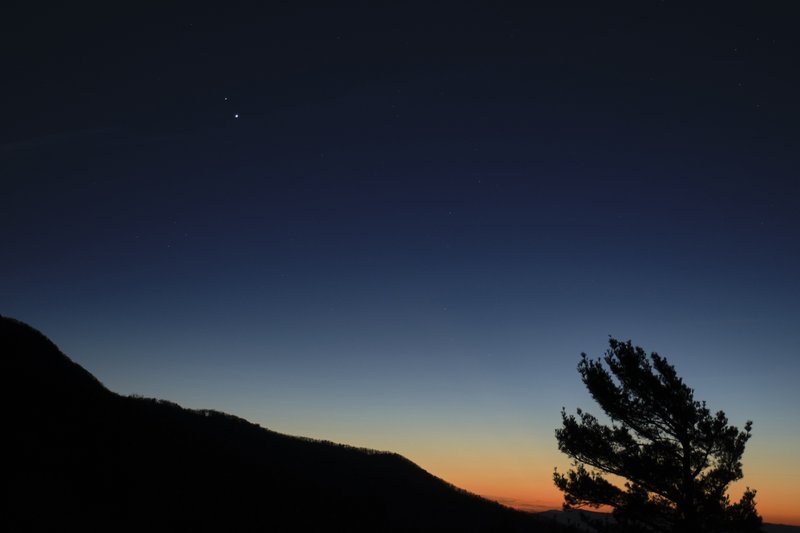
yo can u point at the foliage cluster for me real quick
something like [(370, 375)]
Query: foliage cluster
[(677, 457)]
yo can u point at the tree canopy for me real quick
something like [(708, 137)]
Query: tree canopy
[(675, 459)]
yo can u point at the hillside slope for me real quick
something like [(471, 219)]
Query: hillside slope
[(82, 456)]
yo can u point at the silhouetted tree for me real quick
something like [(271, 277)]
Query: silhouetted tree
[(676, 457)]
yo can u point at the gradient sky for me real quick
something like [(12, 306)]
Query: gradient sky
[(398, 227)]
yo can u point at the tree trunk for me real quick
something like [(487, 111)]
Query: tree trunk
[(688, 507)]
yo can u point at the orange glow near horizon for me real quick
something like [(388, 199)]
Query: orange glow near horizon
[(515, 467), (774, 512), (527, 487)]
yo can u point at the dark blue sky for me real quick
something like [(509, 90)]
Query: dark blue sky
[(370, 223)]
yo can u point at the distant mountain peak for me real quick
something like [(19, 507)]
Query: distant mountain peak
[(83, 457), (32, 365)]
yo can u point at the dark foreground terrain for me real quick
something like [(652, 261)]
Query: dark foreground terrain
[(82, 457)]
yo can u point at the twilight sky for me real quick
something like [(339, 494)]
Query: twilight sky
[(399, 226)]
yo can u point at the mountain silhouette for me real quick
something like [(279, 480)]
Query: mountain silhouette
[(81, 456)]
